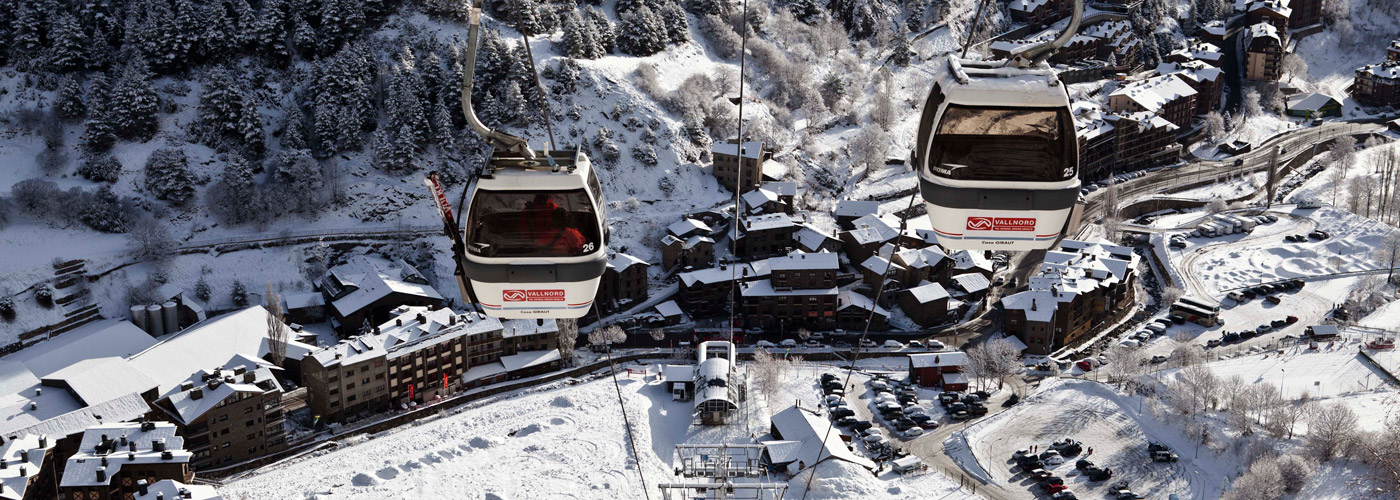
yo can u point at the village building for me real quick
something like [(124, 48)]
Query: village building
[(731, 161), (1078, 288), (939, 369), (113, 458)]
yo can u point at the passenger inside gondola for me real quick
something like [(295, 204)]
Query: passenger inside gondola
[(555, 224)]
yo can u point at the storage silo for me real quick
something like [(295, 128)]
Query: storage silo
[(155, 320), (138, 317), (171, 313)]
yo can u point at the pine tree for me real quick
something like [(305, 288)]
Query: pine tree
[(100, 168), (900, 52), (343, 102), (579, 40), (267, 34), (69, 50), (443, 128), (644, 154), (294, 129), (643, 33), (603, 30), (406, 111), (69, 102), (341, 21), (103, 211), (513, 106), (202, 290), (26, 31), (914, 17), (229, 198), (220, 37), (677, 29), (168, 175), (304, 38), (526, 16), (394, 154), (132, 104), (302, 179), (707, 7), (100, 51), (239, 295)]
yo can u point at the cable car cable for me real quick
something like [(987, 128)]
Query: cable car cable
[(972, 29), (626, 421), (739, 173), (544, 100), (879, 291)]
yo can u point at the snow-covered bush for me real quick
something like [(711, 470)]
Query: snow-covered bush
[(168, 175), (239, 295), (43, 294), (644, 154), (100, 167), (38, 198), (51, 160), (7, 305), (202, 291), (104, 211)]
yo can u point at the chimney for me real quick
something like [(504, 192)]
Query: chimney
[(33, 405), (248, 377), (24, 455), (131, 456), (158, 445), (43, 440), (38, 391), (421, 319), (1032, 304), (398, 321), (197, 393), (102, 475), (166, 455), (148, 426), (4, 464), (160, 496), (239, 370), (186, 385), (141, 487), (452, 320), (104, 460), (131, 446), (23, 471), (123, 441)]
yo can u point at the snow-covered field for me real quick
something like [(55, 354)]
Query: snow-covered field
[(557, 442)]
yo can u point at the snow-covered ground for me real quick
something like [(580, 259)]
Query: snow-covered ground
[(561, 441), (1225, 189)]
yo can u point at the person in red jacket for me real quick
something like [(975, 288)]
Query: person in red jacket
[(547, 224)]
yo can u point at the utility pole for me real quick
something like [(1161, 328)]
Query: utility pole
[(1273, 177)]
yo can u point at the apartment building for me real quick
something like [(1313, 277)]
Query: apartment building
[(1208, 81), (800, 292), (731, 160), (1378, 84), (27, 470), (1166, 96), (765, 235), (228, 416), (624, 283), (1263, 52), (113, 458), (1078, 289), (1272, 12)]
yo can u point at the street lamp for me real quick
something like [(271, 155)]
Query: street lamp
[(1281, 373)]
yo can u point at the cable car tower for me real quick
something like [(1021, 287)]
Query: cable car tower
[(997, 154), (734, 471), (533, 240)]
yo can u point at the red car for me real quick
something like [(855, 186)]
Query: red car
[(1292, 319), (1083, 364), (1052, 488)]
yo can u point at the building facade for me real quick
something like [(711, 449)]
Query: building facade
[(1263, 52), (1079, 288), (939, 369), (624, 283), (29, 472), (1166, 96), (1378, 84), (766, 235), (732, 160), (113, 458), (228, 416), (800, 292)]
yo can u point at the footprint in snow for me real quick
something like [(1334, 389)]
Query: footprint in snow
[(386, 473)]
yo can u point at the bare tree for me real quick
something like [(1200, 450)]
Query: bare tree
[(607, 336), (1378, 451), (1389, 252), (658, 334), (1216, 206), (1295, 67), (1172, 294), (1192, 391), (1252, 106), (568, 337), (277, 330), (1285, 417), (771, 371), (1215, 126), (997, 360), (1331, 430), (1112, 220), (804, 334), (1271, 180), (151, 239), (1124, 366), (1343, 157), (1357, 196), (1294, 472)]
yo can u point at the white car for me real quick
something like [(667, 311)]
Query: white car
[(1130, 343), (1052, 457), (894, 344), (832, 399), (934, 344), (812, 344), (763, 343), (817, 336), (867, 343), (788, 343), (913, 432), (912, 410), (879, 385)]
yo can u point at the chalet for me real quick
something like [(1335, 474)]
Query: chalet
[(812, 239), (1166, 96), (876, 268), (973, 285), (1079, 287), (802, 442), (847, 211), (765, 235), (1039, 12), (853, 310), (29, 472), (730, 160), (169, 489), (689, 253), (670, 312), (1313, 105), (1263, 52), (1196, 50), (1119, 45), (1208, 82), (922, 264), (705, 291), (1392, 53), (926, 304), (786, 193), (1215, 32), (112, 458), (687, 227), (1378, 84), (801, 291), (969, 261), (939, 369), (361, 293), (1272, 12), (865, 238), (213, 412), (624, 283), (760, 201)]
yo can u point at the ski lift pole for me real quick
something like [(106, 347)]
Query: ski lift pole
[(1038, 54)]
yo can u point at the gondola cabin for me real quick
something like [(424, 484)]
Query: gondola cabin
[(535, 235), (998, 159)]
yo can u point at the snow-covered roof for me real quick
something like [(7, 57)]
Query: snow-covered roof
[(758, 197), (1197, 71), (478, 372), (938, 359), (781, 188), (1108, 29), (955, 378), (919, 258), (622, 261), (668, 309), (376, 285), (81, 469), (782, 452), (849, 299), (870, 229), (805, 262), (213, 342), (1388, 70), (1077, 267), (12, 484), (764, 288), (74, 420), (528, 359), (752, 149), (811, 237), (877, 264), (928, 292), (1154, 93), (688, 226), (964, 260), (1200, 51), (1311, 102), (766, 222), (678, 373), (105, 338), (972, 282), (170, 489), (99, 380), (220, 386), (1216, 27), (1263, 30), (713, 275), (855, 208), (1027, 6), (407, 333), (1279, 7), (797, 424), (303, 300)]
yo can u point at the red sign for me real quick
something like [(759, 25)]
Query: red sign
[(532, 295), (1000, 224), (410, 391)]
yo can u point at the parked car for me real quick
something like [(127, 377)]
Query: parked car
[(1064, 495), (1262, 329), (1083, 463), (862, 426), (1049, 487), (904, 424), (1278, 323), (913, 432), (977, 410), (812, 344), (1163, 456), (961, 415), (842, 412), (1041, 475), (1011, 401), (925, 421), (1084, 365), (833, 400), (1052, 457), (847, 421), (1097, 474), (1023, 452), (788, 343), (1235, 296), (957, 407), (1290, 320), (764, 344), (934, 344), (1213, 343), (893, 344), (1158, 359), (1274, 299), (867, 344)]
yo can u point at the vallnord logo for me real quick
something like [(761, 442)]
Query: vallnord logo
[(532, 295), (1000, 224), (979, 223)]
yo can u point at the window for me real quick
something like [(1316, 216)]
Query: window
[(532, 224), (365, 381), (378, 362), (364, 369), (223, 418), (377, 376), (248, 423), (223, 432), (225, 445), (1003, 144), (350, 399)]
